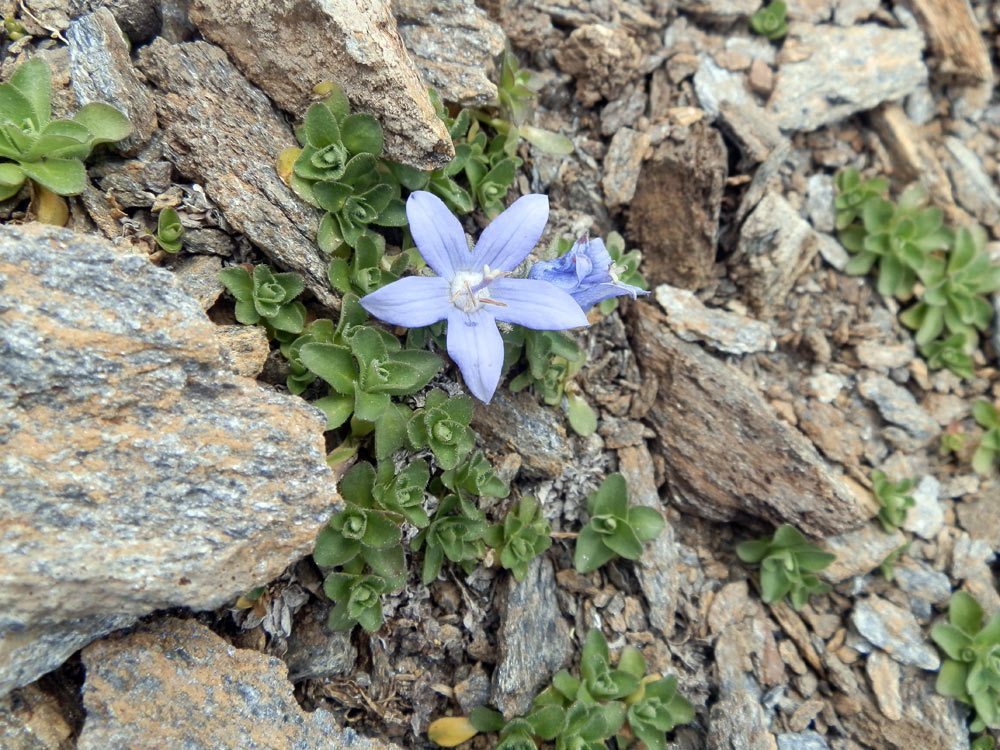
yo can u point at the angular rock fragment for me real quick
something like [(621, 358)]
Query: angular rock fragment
[(286, 47), (138, 472), (621, 166), (828, 73), (973, 188), (728, 456), (674, 216), (897, 405), (601, 58), (223, 133), (101, 71), (175, 683), (775, 247), (895, 631), (454, 45), (534, 640), (859, 552), (32, 719), (725, 331)]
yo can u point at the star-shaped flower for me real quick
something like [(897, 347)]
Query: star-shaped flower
[(473, 290)]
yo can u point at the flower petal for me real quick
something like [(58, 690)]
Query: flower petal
[(475, 345), (511, 236), (535, 304), (412, 302), (437, 233)]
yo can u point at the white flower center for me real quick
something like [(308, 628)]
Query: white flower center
[(470, 289)]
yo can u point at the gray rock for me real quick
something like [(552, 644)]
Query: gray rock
[(101, 71), (752, 129), (832, 251), (842, 71), (725, 331), (602, 59), (898, 406), (139, 473), (454, 45), (624, 111), (286, 47), (315, 652), (819, 202), (727, 10), (534, 640), (140, 20), (802, 741), (657, 568), (174, 683), (209, 242), (970, 564), (883, 356), (895, 631), (223, 133), (849, 12), (918, 579), (926, 517), (198, 275), (974, 189), (134, 183), (981, 517), (621, 166), (775, 246), (859, 552), (714, 85)]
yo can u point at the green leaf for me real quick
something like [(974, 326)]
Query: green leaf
[(986, 414), (290, 317), (646, 522), (547, 721), (61, 176), (951, 640), (380, 532), (632, 661), (390, 433), (337, 408), (753, 551), (965, 613), (321, 127), (331, 195), (582, 418), (590, 552), (246, 313), (546, 140), (951, 679), (105, 123), (370, 407), (11, 179), (485, 720), (34, 82), (361, 134), (332, 363), (611, 499), (332, 548), (624, 542), (238, 282)]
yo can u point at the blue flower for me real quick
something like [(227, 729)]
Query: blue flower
[(472, 290), (587, 272)]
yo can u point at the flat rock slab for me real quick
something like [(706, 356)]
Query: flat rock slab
[(728, 455), (222, 132), (286, 47), (454, 45), (175, 683), (828, 73), (138, 471), (895, 631), (534, 641)]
